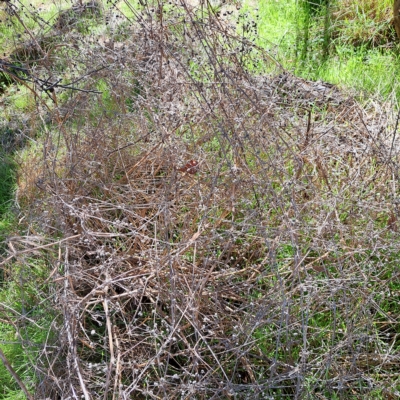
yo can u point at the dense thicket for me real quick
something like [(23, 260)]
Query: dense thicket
[(206, 225)]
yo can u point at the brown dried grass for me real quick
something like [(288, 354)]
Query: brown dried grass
[(256, 274)]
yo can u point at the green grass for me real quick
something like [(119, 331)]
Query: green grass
[(372, 71), (21, 341), (14, 297), (357, 57), (7, 176), (7, 179), (276, 28)]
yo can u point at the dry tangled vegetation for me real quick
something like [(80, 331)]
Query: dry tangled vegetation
[(209, 230)]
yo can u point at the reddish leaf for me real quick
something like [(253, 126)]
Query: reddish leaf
[(191, 167)]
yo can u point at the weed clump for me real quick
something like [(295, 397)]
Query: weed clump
[(209, 231)]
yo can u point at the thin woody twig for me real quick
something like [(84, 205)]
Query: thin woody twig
[(45, 246)]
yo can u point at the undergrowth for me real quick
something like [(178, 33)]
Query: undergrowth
[(193, 220)]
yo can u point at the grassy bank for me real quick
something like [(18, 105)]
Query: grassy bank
[(350, 43)]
